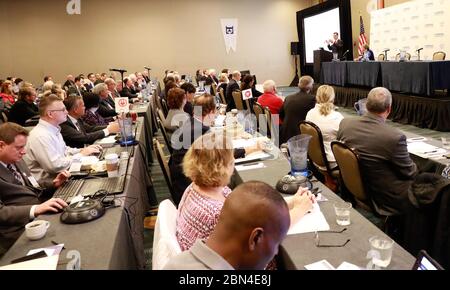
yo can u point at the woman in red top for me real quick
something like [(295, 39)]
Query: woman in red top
[(6, 94)]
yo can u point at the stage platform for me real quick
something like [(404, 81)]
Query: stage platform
[(423, 112)]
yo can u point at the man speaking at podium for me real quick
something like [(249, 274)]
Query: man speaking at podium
[(336, 45)]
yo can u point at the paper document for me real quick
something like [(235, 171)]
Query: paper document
[(46, 263), (348, 266), (49, 251), (241, 143), (321, 265), (107, 141), (425, 150), (312, 222), (259, 165)]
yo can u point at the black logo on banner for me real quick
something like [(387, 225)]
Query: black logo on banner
[(229, 29)]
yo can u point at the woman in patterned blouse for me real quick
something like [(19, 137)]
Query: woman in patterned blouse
[(209, 163), (91, 116)]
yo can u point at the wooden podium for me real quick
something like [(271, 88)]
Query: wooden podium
[(319, 57)]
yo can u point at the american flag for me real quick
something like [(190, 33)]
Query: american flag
[(362, 36)]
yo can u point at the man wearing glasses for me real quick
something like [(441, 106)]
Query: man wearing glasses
[(47, 153)]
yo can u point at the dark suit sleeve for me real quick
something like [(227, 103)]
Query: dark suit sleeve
[(405, 167), (72, 135), (105, 112), (282, 112)]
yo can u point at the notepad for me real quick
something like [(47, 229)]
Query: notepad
[(314, 221)]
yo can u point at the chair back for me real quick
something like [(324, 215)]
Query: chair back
[(214, 88), (439, 55), (407, 56), (268, 115), (237, 97), (165, 107), (165, 244), (222, 96), (163, 163), (259, 111), (316, 150), (161, 122), (381, 57), (348, 162)]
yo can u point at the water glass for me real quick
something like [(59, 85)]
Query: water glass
[(342, 210), (381, 249)]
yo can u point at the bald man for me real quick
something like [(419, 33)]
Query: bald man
[(254, 221)]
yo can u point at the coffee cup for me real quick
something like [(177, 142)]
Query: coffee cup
[(112, 165), (37, 229)]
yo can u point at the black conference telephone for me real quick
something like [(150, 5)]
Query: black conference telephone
[(290, 184)]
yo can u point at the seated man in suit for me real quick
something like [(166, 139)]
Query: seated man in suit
[(112, 91), (24, 108), (252, 224), (127, 89), (232, 86), (75, 132), (383, 153), (77, 88), (105, 109), (295, 108), (21, 196)]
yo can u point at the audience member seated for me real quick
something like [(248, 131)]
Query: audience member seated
[(295, 108), (92, 116), (169, 85), (70, 81), (6, 94), (47, 154), (75, 132), (24, 108), (248, 82), (211, 77), (126, 91), (89, 82), (176, 100), (326, 118), (232, 86), (386, 164), (21, 198), (223, 83), (77, 88), (209, 163), (105, 108), (367, 54), (204, 116), (189, 90), (112, 91), (253, 221), (270, 99)]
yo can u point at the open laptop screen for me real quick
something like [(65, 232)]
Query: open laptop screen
[(425, 262)]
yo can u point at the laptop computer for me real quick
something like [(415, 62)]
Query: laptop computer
[(425, 262), (88, 187)]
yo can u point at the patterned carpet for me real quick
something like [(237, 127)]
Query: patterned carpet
[(162, 192)]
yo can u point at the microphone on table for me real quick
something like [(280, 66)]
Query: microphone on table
[(419, 49), (344, 56), (146, 67)]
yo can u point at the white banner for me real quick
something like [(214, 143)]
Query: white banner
[(122, 105), (230, 32)]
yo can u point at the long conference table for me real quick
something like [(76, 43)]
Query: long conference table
[(113, 242), (300, 250), (414, 77)]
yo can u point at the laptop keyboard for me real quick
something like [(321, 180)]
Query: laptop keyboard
[(69, 190)]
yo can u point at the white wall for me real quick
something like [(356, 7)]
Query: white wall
[(410, 26)]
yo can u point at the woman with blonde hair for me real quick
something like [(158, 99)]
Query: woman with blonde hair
[(326, 118), (209, 163)]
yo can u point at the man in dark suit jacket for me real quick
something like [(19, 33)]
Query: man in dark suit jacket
[(24, 108), (75, 132), (78, 88), (386, 166), (336, 45), (295, 108), (232, 86), (127, 89), (105, 109), (20, 194)]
